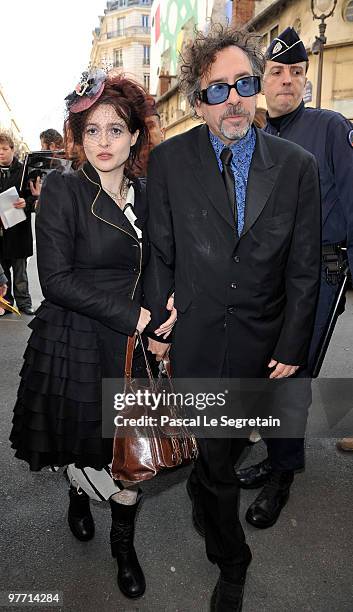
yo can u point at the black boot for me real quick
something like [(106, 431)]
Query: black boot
[(79, 517), (254, 476), (228, 593), (131, 580), (227, 597), (266, 508), (198, 517)]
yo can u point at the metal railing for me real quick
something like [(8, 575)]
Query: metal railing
[(126, 32)]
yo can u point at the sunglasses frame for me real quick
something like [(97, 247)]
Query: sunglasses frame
[(203, 93)]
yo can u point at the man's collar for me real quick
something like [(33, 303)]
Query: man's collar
[(237, 145), (285, 120)]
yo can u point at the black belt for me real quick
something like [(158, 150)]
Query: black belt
[(334, 258), (332, 249)]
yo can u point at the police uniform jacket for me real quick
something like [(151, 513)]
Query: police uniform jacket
[(250, 297), (327, 134)]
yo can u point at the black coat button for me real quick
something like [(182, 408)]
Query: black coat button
[(231, 309), (236, 258), (233, 285)]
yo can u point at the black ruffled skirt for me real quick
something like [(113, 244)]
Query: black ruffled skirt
[(58, 414)]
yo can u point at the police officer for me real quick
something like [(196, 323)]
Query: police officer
[(329, 137)]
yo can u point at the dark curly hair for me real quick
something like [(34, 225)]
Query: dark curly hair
[(129, 100), (52, 136), (200, 53)]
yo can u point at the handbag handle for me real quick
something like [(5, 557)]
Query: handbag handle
[(167, 366), (130, 349)]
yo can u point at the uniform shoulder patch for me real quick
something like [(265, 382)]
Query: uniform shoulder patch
[(350, 138)]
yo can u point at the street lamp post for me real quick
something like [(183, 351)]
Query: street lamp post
[(322, 6)]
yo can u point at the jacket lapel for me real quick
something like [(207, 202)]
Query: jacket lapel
[(210, 178), (103, 206), (262, 178)]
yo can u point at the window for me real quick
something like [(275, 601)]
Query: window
[(264, 40), (118, 57), (348, 11), (146, 82), (273, 33), (297, 25), (145, 21), (146, 54), (120, 26), (267, 37)]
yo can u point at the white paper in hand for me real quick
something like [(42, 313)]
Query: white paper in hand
[(10, 216)]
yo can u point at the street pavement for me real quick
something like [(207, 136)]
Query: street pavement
[(303, 564)]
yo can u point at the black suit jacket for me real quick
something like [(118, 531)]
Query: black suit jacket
[(250, 297)]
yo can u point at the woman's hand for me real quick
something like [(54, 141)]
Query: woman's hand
[(144, 319), (3, 289), (159, 349), (166, 327)]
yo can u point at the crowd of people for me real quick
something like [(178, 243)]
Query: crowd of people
[(223, 247)]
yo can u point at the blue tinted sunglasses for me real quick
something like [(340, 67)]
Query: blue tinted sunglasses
[(219, 92)]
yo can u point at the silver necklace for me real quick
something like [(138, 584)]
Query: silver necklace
[(120, 196)]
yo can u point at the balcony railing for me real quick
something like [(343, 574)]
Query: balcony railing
[(126, 32)]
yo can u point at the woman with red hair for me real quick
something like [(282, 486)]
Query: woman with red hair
[(92, 250)]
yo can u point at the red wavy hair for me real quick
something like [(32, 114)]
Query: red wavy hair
[(129, 101)]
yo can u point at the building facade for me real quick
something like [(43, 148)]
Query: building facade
[(173, 22), (172, 26), (272, 17), (9, 125), (123, 38)]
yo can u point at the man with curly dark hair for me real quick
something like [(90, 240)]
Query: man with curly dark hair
[(234, 228)]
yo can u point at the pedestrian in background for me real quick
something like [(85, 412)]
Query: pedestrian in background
[(154, 132), (16, 243), (3, 287), (51, 140)]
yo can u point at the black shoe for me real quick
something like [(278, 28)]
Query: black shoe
[(28, 310), (79, 517), (198, 518), (266, 508), (131, 580), (227, 597), (254, 476)]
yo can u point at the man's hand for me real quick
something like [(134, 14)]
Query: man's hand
[(159, 349), (36, 187), (166, 327), (20, 203), (144, 319), (3, 289), (281, 370)]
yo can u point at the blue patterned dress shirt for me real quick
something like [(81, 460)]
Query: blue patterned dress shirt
[(242, 150)]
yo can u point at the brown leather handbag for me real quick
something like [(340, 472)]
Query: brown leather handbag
[(148, 449)]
